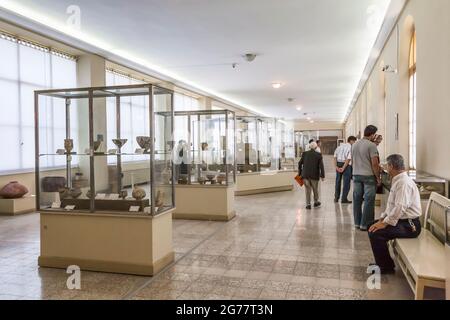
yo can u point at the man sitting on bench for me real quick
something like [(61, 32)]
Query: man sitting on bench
[(401, 218)]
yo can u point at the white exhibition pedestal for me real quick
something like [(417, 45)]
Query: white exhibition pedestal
[(12, 207), (108, 242), (264, 182), (204, 202)]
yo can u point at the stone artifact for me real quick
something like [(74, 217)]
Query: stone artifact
[(13, 190), (159, 201), (201, 180), (119, 142), (53, 184), (123, 194), (144, 142), (68, 145), (221, 178), (89, 194), (183, 179), (75, 193), (204, 146), (64, 193), (138, 193)]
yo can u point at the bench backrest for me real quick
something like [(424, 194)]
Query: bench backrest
[(436, 216)]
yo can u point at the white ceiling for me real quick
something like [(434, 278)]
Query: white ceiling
[(317, 48)]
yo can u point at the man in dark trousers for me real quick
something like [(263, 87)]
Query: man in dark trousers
[(311, 169), (402, 216)]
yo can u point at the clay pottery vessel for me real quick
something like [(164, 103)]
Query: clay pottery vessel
[(144, 142), (138, 193), (53, 184), (13, 190), (201, 180), (221, 178), (89, 194), (64, 193), (159, 201), (204, 146), (119, 142), (123, 194), (210, 177), (68, 145), (75, 192), (183, 179)]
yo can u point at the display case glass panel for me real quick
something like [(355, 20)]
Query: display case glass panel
[(204, 151), (285, 145), (98, 162), (255, 144)]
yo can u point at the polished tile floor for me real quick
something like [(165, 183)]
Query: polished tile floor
[(273, 249)]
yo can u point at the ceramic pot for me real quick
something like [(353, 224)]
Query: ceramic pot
[(89, 194), (64, 193), (138, 193), (13, 190), (144, 142), (119, 142), (221, 178), (97, 145), (75, 192), (204, 146), (53, 184), (166, 175), (123, 194), (159, 201), (201, 180), (68, 145)]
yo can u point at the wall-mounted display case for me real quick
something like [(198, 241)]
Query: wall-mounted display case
[(255, 144), (117, 181), (204, 147)]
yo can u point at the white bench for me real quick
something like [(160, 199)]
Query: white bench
[(422, 260)]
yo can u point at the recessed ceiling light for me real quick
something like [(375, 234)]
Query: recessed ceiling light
[(299, 108), (276, 85), (309, 118), (312, 121)]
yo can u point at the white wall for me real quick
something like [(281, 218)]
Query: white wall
[(430, 19)]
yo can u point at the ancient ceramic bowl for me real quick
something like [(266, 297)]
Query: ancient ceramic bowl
[(210, 176), (119, 142), (144, 142), (221, 178), (13, 190), (68, 145), (201, 180), (75, 193), (138, 193)]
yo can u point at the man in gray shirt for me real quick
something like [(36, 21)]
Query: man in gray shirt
[(366, 177)]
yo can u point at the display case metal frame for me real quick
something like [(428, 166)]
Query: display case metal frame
[(226, 113), (92, 93)]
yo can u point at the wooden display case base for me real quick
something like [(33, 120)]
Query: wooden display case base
[(204, 202), (12, 207), (264, 182), (107, 242)]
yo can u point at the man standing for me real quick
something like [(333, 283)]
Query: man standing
[(366, 177), (311, 169), (319, 145), (342, 163), (401, 218)]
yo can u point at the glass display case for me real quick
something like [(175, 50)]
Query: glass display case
[(204, 147), (94, 162), (426, 183), (255, 144), (285, 145)]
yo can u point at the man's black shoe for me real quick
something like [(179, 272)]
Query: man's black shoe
[(336, 200), (317, 205), (308, 207), (346, 202)]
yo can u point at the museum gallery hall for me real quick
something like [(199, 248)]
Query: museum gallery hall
[(224, 150)]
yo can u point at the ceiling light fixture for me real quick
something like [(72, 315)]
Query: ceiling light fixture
[(299, 108), (276, 85), (250, 56)]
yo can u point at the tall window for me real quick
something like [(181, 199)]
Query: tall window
[(24, 68), (413, 103)]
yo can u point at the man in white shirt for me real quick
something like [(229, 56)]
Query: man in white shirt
[(342, 163), (401, 218)]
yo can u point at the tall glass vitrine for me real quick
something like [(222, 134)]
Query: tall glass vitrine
[(204, 147), (96, 162), (255, 144)]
